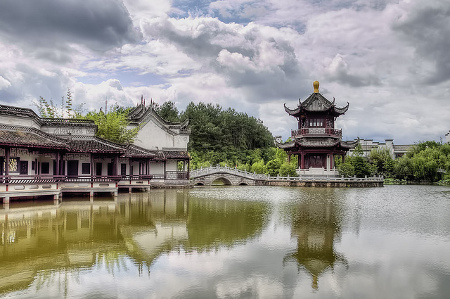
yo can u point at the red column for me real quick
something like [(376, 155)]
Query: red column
[(302, 161), (331, 161)]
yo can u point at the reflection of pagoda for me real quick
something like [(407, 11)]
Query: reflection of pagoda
[(316, 225), (316, 141)]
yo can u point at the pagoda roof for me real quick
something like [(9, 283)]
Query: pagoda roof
[(316, 102), (316, 142), (29, 137)]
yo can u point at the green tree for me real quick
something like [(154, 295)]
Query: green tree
[(113, 125), (346, 169), (168, 111), (382, 161), (288, 169), (259, 167)]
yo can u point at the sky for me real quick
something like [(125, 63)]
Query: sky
[(389, 59)]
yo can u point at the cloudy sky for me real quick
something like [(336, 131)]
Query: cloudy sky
[(389, 59)]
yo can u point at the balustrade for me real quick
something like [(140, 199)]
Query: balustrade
[(317, 131)]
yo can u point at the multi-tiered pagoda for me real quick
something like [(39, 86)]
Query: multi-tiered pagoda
[(316, 141)]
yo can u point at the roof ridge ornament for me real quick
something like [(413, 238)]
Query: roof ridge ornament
[(316, 86)]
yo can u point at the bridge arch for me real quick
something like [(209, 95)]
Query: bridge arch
[(221, 181)]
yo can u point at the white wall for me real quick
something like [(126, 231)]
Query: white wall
[(153, 136), (18, 121)]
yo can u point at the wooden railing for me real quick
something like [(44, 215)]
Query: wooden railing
[(39, 179), (316, 131)]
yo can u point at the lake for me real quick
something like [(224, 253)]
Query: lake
[(231, 242)]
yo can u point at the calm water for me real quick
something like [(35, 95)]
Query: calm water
[(232, 242)]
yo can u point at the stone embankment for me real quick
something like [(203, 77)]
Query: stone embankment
[(363, 183)]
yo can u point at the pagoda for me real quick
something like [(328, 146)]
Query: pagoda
[(316, 141)]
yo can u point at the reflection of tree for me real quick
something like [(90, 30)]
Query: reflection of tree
[(316, 224), (213, 223)]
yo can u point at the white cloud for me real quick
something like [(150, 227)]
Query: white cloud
[(386, 58), (4, 83)]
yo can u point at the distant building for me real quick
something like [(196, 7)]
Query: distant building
[(447, 137), (395, 151), (316, 141)]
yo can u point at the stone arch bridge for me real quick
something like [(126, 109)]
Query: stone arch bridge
[(227, 176)]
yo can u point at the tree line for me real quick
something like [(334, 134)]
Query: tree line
[(427, 161), (229, 138)]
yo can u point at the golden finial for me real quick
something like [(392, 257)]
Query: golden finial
[(316, 86)]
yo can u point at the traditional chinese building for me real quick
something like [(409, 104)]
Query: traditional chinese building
[(316, 141), (42, 156)]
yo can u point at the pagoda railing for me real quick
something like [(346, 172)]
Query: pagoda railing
[(317, 131)]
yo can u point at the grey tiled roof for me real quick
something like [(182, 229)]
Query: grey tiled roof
[(29, 138), (90, 144)]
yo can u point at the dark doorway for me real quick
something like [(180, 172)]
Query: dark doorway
[(72, 168), (110, 169), (315, 161), (98, 168), (23, 167)]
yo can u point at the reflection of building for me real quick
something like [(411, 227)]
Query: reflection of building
[(40, 156), (76, 234), (395, 150), (316, 141), (316, 226), (157, 224)]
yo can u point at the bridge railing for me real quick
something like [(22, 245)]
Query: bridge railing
[(234, 171), (219, 169)]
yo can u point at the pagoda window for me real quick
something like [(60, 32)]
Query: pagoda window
[(316, 122)]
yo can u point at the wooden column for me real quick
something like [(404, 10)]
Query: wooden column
[(188, 169), (7, 156), (331, 161), (302, 161), (92, 166), (57, 164), (115, 163)]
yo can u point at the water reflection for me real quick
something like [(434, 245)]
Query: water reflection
[(315, 222), (257, 242), (76, 235)]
